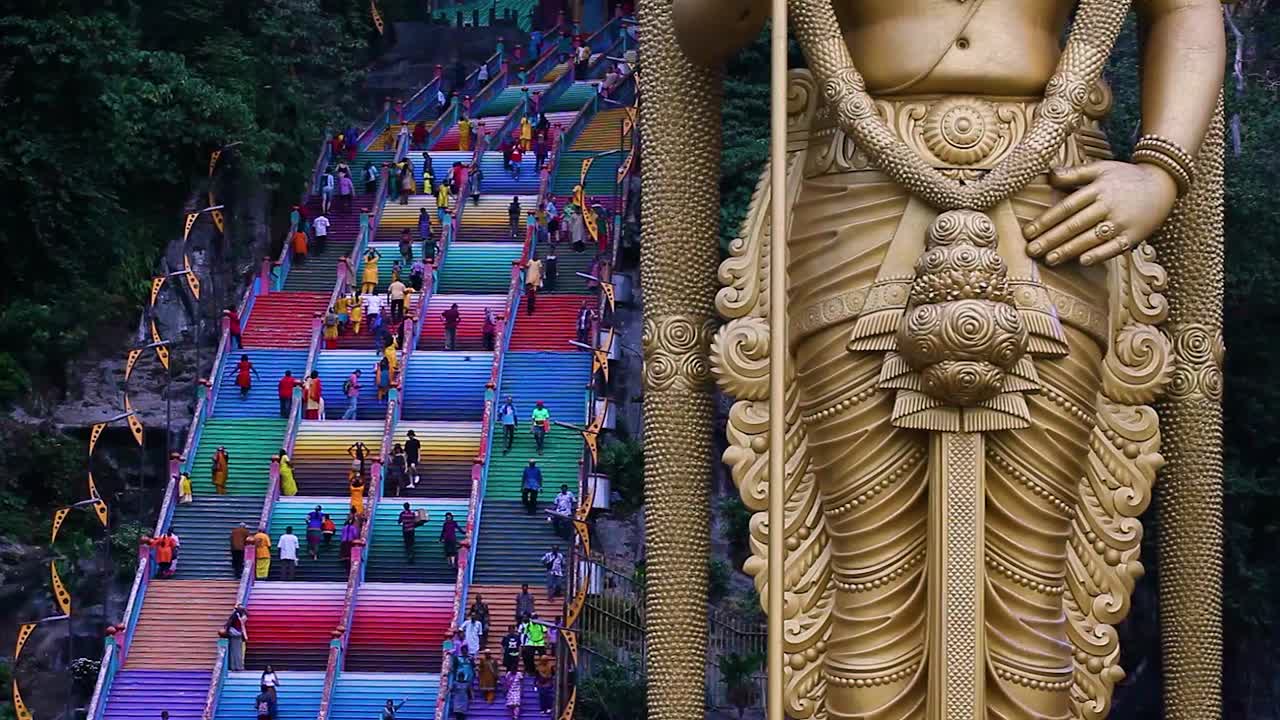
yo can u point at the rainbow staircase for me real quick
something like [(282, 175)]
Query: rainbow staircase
[(289, 622), (298, 697)]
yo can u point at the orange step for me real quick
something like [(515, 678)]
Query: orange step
[(501, 600), (179, 623)]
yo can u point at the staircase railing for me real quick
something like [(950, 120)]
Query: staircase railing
[(512, 118), (116, 648), (452, 114), (341, 635), (480, 465)]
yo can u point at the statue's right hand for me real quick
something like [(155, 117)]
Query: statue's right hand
[(710, 31)]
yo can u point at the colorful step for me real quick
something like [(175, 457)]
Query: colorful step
[(388, 560), (499, 183), (262, 399), (290, 623), (179, 623), (605, 131), (470, 335), (448, 453), (144, 694), (602, 175), (512, 543), (569, 262), (561, 452), (399, 627), (204, 528), (446, 386), (283, 320), (501, 600), (297, 697), (478, 268), (335, 366), (320, 453), (553, 325), (558, 379), (250, 443), (490, 219), (362, 696), (292, 512)]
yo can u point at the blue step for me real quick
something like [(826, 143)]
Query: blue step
[(142, 694), (557, 378), (297, 697), (335, 366), (361, 696), (261, 401), (446, 386)]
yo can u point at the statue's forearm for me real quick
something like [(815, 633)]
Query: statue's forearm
[(709, 31), (1182, 68)]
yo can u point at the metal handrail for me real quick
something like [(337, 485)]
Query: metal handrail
[(341, 635)]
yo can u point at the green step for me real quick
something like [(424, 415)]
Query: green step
[(250, 443), (478, 268), (387, 559), (602, 176), (559, 463)]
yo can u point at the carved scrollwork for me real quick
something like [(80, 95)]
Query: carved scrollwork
[(673, 351)]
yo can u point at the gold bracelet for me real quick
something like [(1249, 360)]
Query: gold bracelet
[(1167, 155), (1164, 162)]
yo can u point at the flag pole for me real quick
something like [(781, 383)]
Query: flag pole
[(777, 349)]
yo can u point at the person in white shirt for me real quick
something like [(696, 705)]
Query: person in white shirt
[(395, 293), (472, 629), (564, 504), (553, 561), (320, 227), (327, 185), (288, 545)]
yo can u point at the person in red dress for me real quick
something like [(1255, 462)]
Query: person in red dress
[(243, 381)]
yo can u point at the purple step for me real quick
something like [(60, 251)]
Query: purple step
[(481, 710), (143, 694)]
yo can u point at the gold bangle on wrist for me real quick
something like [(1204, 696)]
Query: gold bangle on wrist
[(1168, 156)]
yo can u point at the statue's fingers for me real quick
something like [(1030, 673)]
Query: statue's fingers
[(1072, 204), (1066, 178), (1083, 242), (1082, 221), (1114, 248)]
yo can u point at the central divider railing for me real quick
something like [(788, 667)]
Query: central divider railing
[(359, 551), (117, 645), (480, 465), (296, 410)]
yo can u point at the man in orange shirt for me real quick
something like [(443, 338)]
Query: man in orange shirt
[(299, 246), (164, 545)]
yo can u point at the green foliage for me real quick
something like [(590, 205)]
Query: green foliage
[(612, 692), (111, 112), (7, 711), (124, 548), (737, 521), (623, 462), (736, 672), (44, 469), (718, 578)]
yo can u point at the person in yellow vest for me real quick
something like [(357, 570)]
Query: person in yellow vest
[(464, 134), (357, 314), (221, 463), (288, 486), (389, 352), (369, 275), (262, 553), (356, 488), (442, 200), (184, 489), (526, 134)]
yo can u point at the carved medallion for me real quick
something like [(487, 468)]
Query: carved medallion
[(961, 131)]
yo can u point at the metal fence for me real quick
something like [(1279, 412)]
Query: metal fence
[(613, 626)]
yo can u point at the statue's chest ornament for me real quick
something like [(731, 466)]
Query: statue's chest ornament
[(960, 354)]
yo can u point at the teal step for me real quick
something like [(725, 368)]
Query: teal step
[(250, 443)]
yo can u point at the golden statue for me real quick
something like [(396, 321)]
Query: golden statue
[(998, 335)]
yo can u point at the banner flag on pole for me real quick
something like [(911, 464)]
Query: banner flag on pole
[(213, 163), (100, 508), (133, 360), (135, 425), (191, 220), (58, 516), (193, 282), (59, 590), (218, 220), (19, 707), (377, 16), (156, 284), (94, 433)]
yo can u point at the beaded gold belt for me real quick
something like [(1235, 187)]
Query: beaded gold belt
[(963, 135)]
